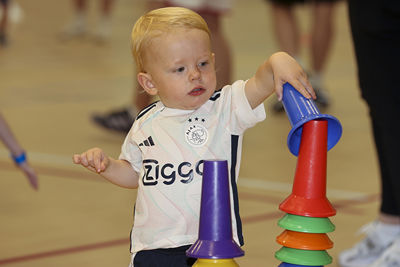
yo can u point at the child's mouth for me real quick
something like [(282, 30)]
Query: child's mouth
[(197, 91)]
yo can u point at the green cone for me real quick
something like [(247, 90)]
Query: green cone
[(303, 257), (304, 224)]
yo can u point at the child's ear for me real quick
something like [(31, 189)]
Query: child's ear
[(147, 83)]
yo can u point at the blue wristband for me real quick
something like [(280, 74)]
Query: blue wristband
[(19, 159)]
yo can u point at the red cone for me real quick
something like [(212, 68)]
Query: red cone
[(308, 196)]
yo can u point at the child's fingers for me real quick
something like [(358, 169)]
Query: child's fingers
[(87, 160), (279, 90), (301, 88), (97, 162), (76, 159), (90, 158), (93, 159), (307, 85), (84, 160), (103, 166), (91, 168)]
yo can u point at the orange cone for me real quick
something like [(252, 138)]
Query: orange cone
[(308, 241)]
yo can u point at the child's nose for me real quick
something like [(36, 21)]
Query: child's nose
[(195, 74)]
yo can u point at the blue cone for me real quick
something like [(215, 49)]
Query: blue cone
[(301, 110)]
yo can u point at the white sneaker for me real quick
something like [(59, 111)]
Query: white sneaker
[(367, 251), (391, 256)]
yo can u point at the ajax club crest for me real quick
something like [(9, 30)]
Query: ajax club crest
[(196, 134)]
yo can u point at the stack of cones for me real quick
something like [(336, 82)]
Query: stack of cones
[(215, 245), (307, 223)]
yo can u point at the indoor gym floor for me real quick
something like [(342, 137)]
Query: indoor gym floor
[(49, 89)]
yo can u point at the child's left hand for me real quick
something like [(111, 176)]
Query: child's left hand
[(286, 69)]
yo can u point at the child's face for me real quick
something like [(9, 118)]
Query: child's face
[(180, 69)]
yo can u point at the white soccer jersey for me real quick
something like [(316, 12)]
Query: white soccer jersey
[(167, 147)]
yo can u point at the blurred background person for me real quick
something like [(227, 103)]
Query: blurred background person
[(17, 152), (375, 27), (288, 35), (3, 22), (78, 26)]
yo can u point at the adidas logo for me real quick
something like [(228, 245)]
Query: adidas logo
[(148, 142)]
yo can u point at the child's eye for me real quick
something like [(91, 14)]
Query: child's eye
[(181, 69), (204, 63)]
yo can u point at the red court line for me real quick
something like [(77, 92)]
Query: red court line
[(65, 251)]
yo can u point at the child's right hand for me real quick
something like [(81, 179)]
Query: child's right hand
[(94, 159)]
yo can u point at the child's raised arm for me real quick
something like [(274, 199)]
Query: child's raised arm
[(118, 172), (279, 69)]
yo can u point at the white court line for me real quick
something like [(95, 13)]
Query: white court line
[(42, 158), (247, 182), (281, 187)]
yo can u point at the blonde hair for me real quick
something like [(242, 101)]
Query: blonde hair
[(159, 21)]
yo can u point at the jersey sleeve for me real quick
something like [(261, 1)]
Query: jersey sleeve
[(131, 153), (244, 115)]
